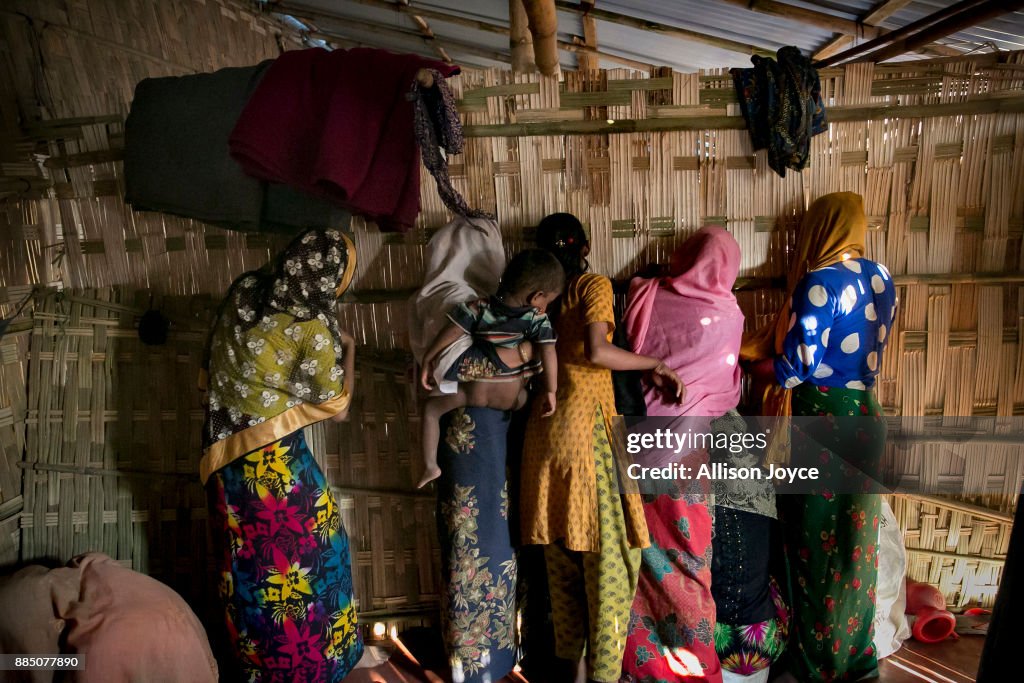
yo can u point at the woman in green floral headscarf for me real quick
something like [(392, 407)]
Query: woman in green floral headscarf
[(277, 363)]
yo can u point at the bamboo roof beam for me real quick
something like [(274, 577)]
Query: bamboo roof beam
[(432, 14), (837, 44), (336, 40), (458, 46), (586, 49), (874, 17), (520, 40), (971, 17), (427, 33), (664, 29), (585, 60), (809, 16), (883, 11), (543, 21), (901, 33)]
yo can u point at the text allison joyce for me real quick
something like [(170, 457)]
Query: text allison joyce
[(719, 471)]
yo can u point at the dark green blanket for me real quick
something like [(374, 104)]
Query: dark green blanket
[(176, 158)]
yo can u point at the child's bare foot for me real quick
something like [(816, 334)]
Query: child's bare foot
[(430, 474)]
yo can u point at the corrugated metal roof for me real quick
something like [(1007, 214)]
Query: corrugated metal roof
[(714, 18)]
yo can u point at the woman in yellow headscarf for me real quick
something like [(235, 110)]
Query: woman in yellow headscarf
[(823, 351), (278, 361)]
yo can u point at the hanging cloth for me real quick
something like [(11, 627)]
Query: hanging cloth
[(439, 134), (781, 102), (338, 125)]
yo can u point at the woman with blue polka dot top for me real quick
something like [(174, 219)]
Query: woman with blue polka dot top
[(824, 350), (839, 324)]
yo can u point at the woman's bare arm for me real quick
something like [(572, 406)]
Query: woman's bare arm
[(448, 336), (603, 353)]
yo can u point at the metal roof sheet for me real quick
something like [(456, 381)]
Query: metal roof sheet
[(711, 17)]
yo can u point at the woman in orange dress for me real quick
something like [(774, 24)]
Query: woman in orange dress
[(571, 502)]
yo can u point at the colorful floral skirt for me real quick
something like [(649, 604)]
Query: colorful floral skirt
[(750, 648), (832, 541), (671, 628), (478, 561), (285, 572)]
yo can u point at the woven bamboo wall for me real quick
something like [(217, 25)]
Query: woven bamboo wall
[(113, 437), (13, 347), (944, 188), (959, 549)]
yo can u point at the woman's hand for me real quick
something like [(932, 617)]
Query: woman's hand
[(549, 404), (427, 375), (668, 382), (341, 416)]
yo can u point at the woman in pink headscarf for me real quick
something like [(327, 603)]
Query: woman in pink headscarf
[(691, 319)]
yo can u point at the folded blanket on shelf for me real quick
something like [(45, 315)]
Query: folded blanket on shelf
[(339, 125), (177, 161)]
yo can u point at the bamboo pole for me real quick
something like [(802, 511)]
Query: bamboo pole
[(585, 59), (459, 46), (664, 29), (834, 46), (808, 16), (993, 105), (594, 52), (520, 40), (424, 28), (543, 21)]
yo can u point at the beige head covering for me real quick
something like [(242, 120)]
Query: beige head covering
[(834, 229)]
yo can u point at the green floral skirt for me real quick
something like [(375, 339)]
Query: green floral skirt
[(832, 541)]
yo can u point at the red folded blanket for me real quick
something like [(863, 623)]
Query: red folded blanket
[(338, 125)]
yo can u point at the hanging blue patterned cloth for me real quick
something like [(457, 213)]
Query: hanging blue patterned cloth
[(781, 102)]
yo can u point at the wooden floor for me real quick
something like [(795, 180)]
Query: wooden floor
[(953, 661)]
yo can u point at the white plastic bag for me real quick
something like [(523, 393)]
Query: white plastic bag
[(891, 625)]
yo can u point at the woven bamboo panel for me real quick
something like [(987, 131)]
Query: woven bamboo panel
[(13, 347), (959, 552), (113, 447)]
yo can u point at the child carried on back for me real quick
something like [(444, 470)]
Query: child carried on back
[(504, 330)]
